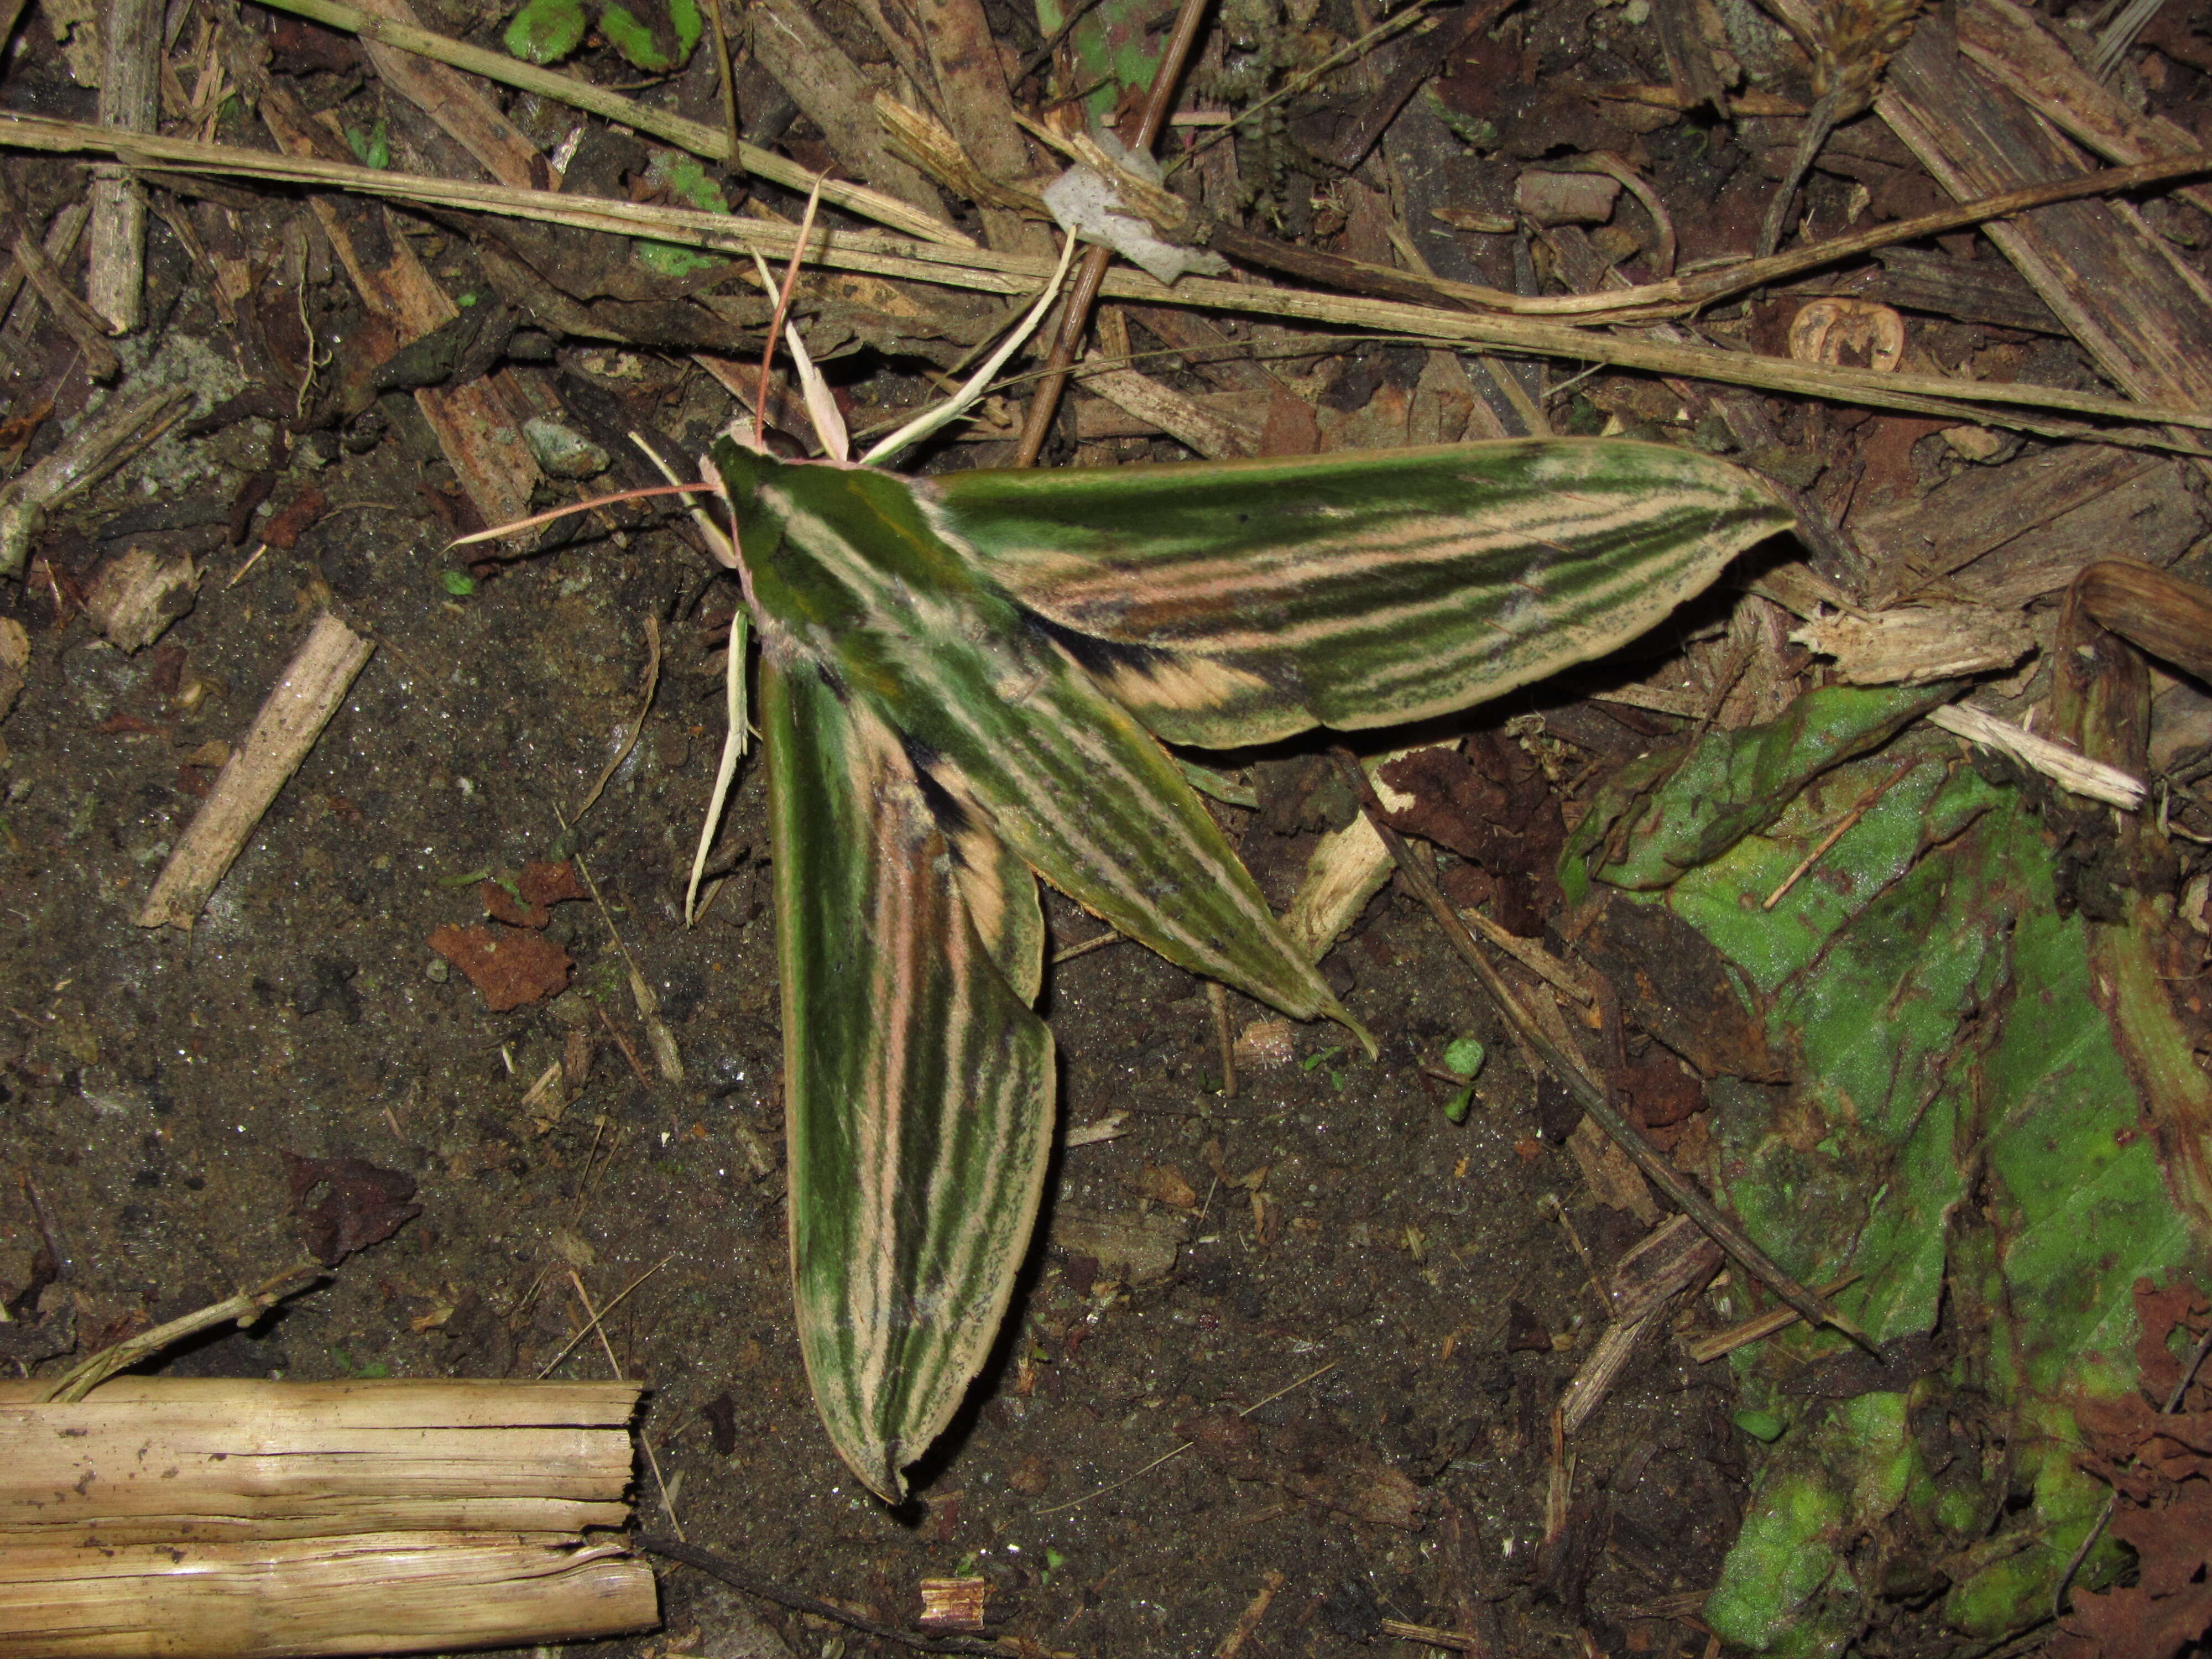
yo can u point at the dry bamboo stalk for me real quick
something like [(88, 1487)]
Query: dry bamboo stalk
[(240, 1519), (314, 683), (129, 98), (372, 1593), (145, 1461), (983, 270)]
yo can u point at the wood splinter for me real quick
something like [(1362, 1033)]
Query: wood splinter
[(314, 683)]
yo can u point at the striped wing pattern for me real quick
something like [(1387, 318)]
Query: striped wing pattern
[(918, 1084), (969, 680), (1237, 603), (1007, 735)]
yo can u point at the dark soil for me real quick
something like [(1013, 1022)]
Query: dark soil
[(1402, 1293)]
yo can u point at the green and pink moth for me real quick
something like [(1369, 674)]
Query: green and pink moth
[(966, 683)]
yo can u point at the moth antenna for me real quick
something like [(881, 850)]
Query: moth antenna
[(718, 544), (954, 407), (515, 526)]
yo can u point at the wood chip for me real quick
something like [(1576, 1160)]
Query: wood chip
[(15, 662), (953, 1603), (314, 683), (1613, 1178), (1137, 1249)]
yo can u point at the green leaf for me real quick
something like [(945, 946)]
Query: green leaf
[(372, 148), (920, 1085), (656, 35), (1464, 1057), (1240, 602), (1964, 1136), (546, 31), (683, 177), (1732, 783), (459, 583), (1759, 1426)]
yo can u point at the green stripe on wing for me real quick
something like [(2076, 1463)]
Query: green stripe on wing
[(1005, 730), (918, 1083), (1232, 603)]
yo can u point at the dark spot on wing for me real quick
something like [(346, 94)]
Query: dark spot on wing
[(1101, 657), (951, 817)]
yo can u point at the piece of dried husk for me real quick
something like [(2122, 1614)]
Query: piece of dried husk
[(1917, 645), (1848, 334), (1565, 198), (139, 594)]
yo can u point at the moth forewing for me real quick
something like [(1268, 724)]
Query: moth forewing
[(918, 1083), (1005, 731)]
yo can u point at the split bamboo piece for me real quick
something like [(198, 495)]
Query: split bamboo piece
[(236, 1520)]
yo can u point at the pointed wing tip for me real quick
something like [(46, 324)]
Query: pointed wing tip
[(876, 1467)]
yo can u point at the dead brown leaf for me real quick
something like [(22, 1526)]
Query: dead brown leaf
[(509, 967)]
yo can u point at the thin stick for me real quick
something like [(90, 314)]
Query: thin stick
[(715, 1564), (695, 136), (986, 271), (243, 1309), (516, 526), (1044, 403), (782, 310), (1109, 936), (1217, 997), (592, 1323), (1586, 1092), (595, 1322), (1760, 1327), (1256, 1405), (729, 82), (1843, 828)]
